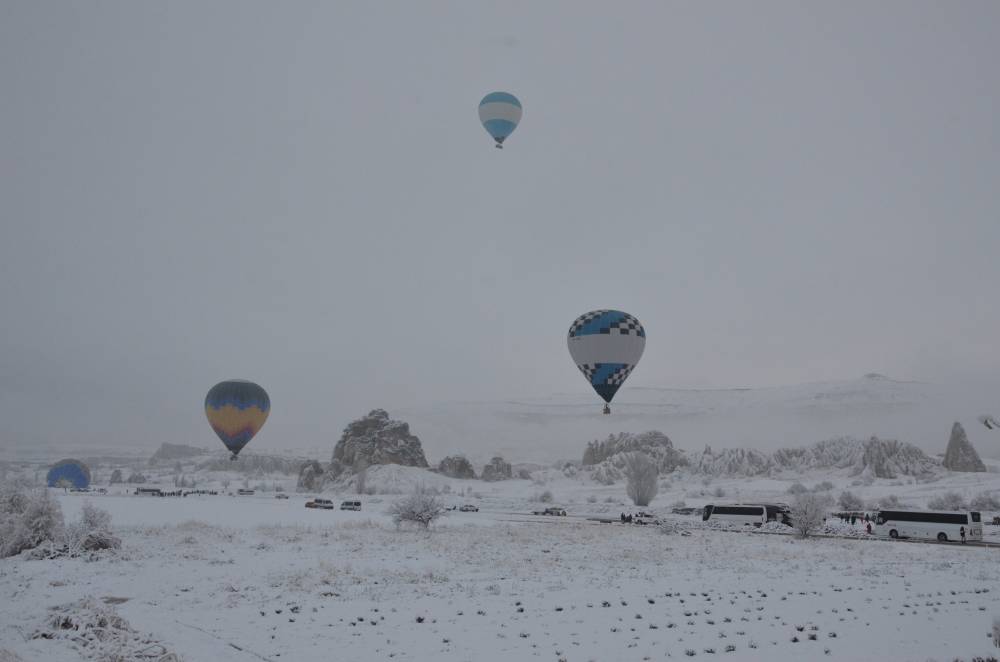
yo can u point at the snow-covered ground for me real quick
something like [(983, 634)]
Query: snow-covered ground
[(249, 578)]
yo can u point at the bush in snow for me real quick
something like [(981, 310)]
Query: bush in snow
[(888, 501), (420, 507), (92, 532), (137, 478), (116, 477), (592, 499), (850, 501), (985, 501), (825, 486), (947, 501), (719, 493), (808, 510), (797, 488), (544, 497), (28, 518), (641, 478)]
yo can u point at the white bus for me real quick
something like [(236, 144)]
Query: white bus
[(747, 515), (928, 525)]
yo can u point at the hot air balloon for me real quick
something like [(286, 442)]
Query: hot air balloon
[(68, 473), (500, 113), (236, 410), (606, 345)]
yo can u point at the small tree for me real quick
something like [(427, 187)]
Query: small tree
[(116, 477), (850, 501), (888, 501), (65, 484), (420, 507), (641, 478), (808, 511), (947, 501), (985, 501), (797, 488), (28, 517), (825, 486), (361, 480)]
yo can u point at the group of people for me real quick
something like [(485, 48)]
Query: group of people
[(853, 518)]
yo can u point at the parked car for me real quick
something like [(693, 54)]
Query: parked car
[(243, 492), (324, 504), (280, 495), (350, 505), (559, 512), (469, 508)]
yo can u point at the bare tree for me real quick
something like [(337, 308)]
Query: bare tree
[(361, 480), (641, 478), (850, 501), (808, 512), (420, 507)]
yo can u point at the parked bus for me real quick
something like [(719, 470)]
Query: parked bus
[(928, 525), (746, 514)]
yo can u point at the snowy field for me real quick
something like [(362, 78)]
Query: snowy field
[(228, 578)]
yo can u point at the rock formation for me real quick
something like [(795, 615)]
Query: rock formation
[(456, 466), (497, 469), (961, 456), (376, 439)]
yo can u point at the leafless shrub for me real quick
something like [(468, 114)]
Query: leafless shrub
[(641, 476), (808, 511), (420, 508)]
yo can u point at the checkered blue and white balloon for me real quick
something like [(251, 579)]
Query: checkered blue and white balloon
[(606, 345)]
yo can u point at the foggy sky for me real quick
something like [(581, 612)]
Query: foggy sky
[(301, 194)]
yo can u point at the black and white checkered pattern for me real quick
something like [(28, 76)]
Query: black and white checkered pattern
[(625, 325), (617, 378), (620, 375)]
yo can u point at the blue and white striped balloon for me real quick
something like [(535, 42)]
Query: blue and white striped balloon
[(500, 113)]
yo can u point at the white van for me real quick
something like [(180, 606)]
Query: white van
[(350, 505), (745, 514)]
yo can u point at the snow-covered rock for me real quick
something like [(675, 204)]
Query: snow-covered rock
[(171, 452), (960, 455), (456, 466), (606, 459), (497, 469), (310, 477), (376, 439)]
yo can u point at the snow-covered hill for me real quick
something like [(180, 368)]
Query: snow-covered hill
[(547, 428)]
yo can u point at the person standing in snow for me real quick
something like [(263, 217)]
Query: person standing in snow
[(868, 527), (961, 532)]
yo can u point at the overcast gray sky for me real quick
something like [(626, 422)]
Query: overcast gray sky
[(301, 194)]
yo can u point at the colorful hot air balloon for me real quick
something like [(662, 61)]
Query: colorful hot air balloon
[(236, 410), (499, 112), (68, 473), (606, 345)]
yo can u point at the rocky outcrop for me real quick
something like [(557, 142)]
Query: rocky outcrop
[(733, 462), (170, 452), (456, 466), (960, 455), (606, 459), (310, 477), (376, 439), (253, 464), (497, 469)]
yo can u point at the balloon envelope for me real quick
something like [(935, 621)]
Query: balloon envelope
[(606, 345), (68, 472), (236, 410), (500, 113)]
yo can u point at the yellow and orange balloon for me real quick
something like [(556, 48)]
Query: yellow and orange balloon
[(236, 410)]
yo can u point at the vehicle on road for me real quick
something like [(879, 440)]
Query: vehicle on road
[(242, 492), (737, 513), (323, 504), (280, 495), (469, 508), (350, 505), (558, 512), (929, 525)]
